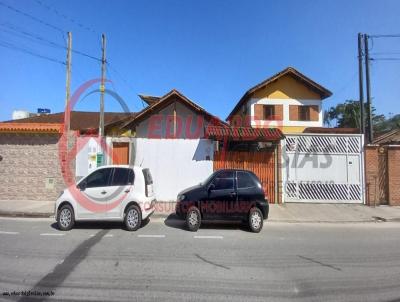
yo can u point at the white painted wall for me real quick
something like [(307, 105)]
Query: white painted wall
[(285, 121), (175, 164)]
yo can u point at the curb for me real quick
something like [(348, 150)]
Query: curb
[(166, 215), (26, 214)]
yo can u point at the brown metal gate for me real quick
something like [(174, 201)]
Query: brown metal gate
[(120, 153), (262, 163)]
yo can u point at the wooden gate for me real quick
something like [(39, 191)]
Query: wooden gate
[(261, 163), (120, 153), (382, 190)]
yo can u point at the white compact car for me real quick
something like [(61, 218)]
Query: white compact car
[(110, 193)]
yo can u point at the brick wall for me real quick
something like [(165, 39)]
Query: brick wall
[(30, 169), (393, 156), (371, 174), (382, 171)]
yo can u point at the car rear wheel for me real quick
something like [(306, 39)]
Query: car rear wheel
[(133, 218), (255, 220), (65, 218), (193, 219)]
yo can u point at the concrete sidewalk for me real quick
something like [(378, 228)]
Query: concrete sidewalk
[(289, 212)]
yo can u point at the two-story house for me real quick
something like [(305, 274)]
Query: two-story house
[(288, 100)]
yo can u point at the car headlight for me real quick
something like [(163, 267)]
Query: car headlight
[(181, 197)]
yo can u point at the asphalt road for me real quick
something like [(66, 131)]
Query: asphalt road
[(163, 262)]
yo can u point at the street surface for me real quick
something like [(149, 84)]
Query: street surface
[(221, 262)]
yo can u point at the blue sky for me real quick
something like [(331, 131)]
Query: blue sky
[(212, 51)]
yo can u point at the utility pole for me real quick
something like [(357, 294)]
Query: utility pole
[(102, 85), (368, 84), (67, 114), (360, 80)]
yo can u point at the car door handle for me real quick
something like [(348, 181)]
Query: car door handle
[(233, 193), (127, 190), (103, 192)]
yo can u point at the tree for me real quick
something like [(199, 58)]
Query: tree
[(347, 115)]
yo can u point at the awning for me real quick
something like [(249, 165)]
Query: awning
[(30, 127), (243, 133)]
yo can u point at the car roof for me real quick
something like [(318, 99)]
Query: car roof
[(120, 166), (237, 170)]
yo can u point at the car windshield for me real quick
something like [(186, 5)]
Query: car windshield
[(207, 180)]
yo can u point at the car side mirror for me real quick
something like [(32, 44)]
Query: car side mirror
[(211, 187), (82, 186)]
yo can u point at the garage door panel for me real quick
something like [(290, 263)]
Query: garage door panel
[(323, 168)]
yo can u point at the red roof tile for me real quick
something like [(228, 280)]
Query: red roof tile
[(243, 133), (31, 127)]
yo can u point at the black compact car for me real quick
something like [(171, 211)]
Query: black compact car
[(224, 195)]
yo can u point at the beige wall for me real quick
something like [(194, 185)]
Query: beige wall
[(30, 162)]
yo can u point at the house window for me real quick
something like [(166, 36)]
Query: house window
[(304, 113), (269, 112)]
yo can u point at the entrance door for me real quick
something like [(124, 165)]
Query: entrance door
[(120, 153)]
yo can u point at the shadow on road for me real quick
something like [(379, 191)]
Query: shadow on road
[(173, 221), (61, 271)]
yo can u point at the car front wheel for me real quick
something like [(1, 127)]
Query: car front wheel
[(255, 220), (193, 219), (65, 218), (133, 218)]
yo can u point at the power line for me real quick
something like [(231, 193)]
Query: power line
[(384, 59), (122, 78), (385, 53), (33, 18), (55, 11), (27, 51), (385, 36), (54, 44), (112, 82)]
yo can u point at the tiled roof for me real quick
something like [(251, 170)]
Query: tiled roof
[(80, 120), (243, 133), (164, 101), (390, 137), (332, 130), (31, 127)]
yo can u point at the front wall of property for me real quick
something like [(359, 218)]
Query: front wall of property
[(175, 164), (30, 169), (382, 172)]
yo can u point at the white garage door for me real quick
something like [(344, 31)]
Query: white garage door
[(323, 168)]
